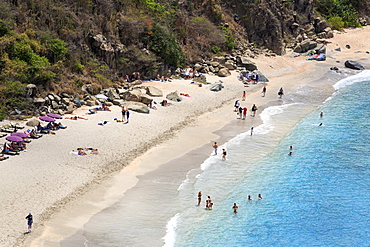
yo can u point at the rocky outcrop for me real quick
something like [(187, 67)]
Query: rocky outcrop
[(153, 91), (136, 106), (216, 86), (174, 96)]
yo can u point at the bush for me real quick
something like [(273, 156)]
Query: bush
[(2, 115), (339, 8), (216, 49), (336, 22), (4, 28)]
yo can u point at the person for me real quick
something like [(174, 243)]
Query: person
[(240, 112), (245, 112), (29, 219), (291, 148), (209, 203), (224, 154), (321, 114), (237, 104), (251, 130), (127, 115), (264, 91), (81, 151), (254, 109), (259, 197), (281, 93), (290, 153), (199, 197), (215, 146), (249, 198), (123, 112), (244, 96), (235, 207), (320, 124)]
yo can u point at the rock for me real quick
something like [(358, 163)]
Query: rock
[(174, 96), (337, 49), (87, 88), (230, 65), (108, 103), (215, 64), (54, 105), (65, 95), (216, 86), (220, 60), (334, 68), (31, 90), (245, 62), (66, 101), (137, 107), (112, 95), (320, 26), (261, 77), (57, 98), (348, 46), (223, 72), (353, 65), (90, 102), (121, 91), (305, 45), (39, 101), (330, 35), (320, 49), (118, 102), (198, 67), (69, 108), (145, 99), (211, 69), (153, 91)]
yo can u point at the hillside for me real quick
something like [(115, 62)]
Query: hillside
[(63, 45)]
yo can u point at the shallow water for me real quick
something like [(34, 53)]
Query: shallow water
[(319, 196)]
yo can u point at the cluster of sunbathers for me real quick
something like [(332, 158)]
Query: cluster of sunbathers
[(85, 151), (103, 107)]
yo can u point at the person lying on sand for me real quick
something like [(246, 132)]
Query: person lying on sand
[(185, 94), (165, 103), (75, 118)]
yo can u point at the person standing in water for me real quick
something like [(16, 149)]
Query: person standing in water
[(249, 198), (321, 114), (259, 197), (264, 91), (224, 153), (251, 130), (199, 197), (235, 207), (215, 146)]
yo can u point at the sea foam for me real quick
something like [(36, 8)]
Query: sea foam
[(362, 76), (169, 239)]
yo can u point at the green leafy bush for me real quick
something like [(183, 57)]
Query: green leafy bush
[(216, 49), (339, 8), (336, 22)]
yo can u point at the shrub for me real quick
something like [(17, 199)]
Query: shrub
[(216, 49), (336, 22), (4, 28)]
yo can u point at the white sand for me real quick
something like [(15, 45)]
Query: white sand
[(47, 179)]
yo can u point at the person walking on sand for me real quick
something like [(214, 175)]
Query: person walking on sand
[(29, 219), (264, 91), (245, 112), (281, 93), (215, 146), (235, 207), (224, 153), (251, 130), (127, 116), (254, 109), (199, 197), (236, 105), (240, 112), (244, 96), (123, 112)]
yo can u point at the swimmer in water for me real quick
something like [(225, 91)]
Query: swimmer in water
[(320, 124), (249, 198), (235, 207), (224, 154), (291, 148), (259, 197), (290, 153), (321, 114)]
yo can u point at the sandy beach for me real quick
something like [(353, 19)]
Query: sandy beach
[(63, 190)]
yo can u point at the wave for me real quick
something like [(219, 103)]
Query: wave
[(170, 238), (362, 76)]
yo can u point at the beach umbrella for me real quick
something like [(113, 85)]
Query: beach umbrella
[(33, 122), (47, 119), (101, 96), (19, 134), (14, 138), (53, 115)]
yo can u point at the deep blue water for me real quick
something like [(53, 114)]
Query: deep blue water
[(319, 196)]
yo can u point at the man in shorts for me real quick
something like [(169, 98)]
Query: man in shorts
[(29, 219)]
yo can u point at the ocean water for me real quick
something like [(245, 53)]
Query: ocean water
[(319, 196)]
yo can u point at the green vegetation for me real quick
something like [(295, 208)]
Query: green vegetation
[(339, 8), (336, 22)]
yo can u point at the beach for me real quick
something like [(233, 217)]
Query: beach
[(64, 191)]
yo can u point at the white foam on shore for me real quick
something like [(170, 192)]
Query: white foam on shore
[(362, 76), (169, 239)]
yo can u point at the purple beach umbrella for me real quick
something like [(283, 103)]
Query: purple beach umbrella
[(19, 134), (14, 138), (47, 119), (53, 115)]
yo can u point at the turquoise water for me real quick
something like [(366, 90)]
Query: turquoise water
[(319, 196)]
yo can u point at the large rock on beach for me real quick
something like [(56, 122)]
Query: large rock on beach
[(216, 86), (224, 72), (305, 46), (353, 65), (137, 96), (112, 94), (174, 96), (245, 62), (137, 107), (153, 91)]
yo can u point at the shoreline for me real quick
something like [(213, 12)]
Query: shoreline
[(212, 124)]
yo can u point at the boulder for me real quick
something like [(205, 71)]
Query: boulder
[(153, 91), (57, 98), (66, 101), (245, 62), (215, 64), (216, 86), (133, 95), (230, 65), (54, 105), (224, 72), (90, 102), (87, 88), (69, 108), (39, 101), (118, 102), (108, 103), (31, 90), (353, 65), (137, 107), (305, 45), (220, 60), (174, 96), (112, 94)]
